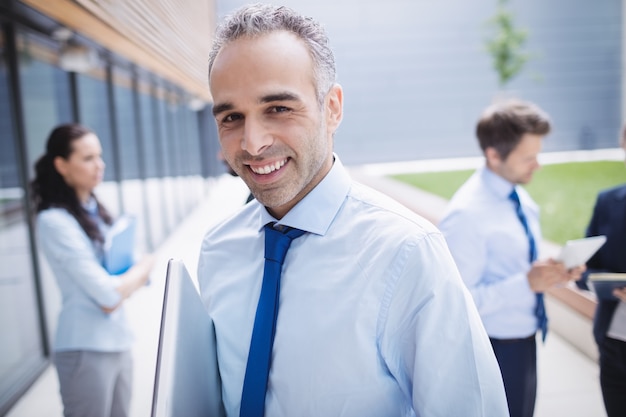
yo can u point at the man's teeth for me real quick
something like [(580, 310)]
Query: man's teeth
[(269, 168)]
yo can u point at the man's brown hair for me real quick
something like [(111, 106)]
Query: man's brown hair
[(502, 125)]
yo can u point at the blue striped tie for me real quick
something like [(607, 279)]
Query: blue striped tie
[(259, 358), (540, 310)]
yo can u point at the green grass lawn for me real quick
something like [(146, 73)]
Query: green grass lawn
[(565, 192)]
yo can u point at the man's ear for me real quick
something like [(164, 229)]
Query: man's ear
[(334, 107), (493, 157)]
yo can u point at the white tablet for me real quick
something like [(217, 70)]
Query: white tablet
[(577, 252), (187, 381)]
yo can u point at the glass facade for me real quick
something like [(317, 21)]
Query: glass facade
[(22, 350), (153, 150)]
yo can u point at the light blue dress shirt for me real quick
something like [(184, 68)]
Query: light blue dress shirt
[(490, 247), (85, 286), (374, 320)]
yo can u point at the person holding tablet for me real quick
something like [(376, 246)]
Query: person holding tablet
[(492, 228)]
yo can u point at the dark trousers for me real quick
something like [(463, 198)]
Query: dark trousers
[(613, 376), (518, 363)]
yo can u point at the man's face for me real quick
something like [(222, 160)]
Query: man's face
[(272, 130), (521, 163)]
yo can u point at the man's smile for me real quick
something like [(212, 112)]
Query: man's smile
[(269, 168)]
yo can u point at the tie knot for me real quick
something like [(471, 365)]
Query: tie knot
[(277, 242), (514, 197)]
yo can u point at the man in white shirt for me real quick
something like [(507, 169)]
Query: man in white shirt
[(496, 250), (373, 317)]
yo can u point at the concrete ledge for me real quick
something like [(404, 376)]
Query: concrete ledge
[(574, 327), (583, 302)]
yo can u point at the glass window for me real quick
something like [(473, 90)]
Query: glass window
[(126, 124), (22, 347), (125, 119), (211, 166), (93, 104), (191, 153), (149, 138), (174, 140), (175, 147), (166, 136), (153, 185), (163, 133), (42, 84)]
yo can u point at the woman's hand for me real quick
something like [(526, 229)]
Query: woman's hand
[(133, 279)]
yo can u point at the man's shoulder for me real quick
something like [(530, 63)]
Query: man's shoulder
[(472, 194), (618, 192), (243, 218), (469, 205), (379, 207)]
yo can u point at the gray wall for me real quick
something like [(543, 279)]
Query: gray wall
[(416, 75)]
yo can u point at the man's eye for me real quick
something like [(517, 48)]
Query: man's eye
[(231, 118), (279, 109)]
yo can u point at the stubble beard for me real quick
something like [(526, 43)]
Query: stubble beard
[(297, 186)]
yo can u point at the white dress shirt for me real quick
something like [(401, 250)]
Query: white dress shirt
[(490, 247), (374, 320)]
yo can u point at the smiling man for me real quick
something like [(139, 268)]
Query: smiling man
[(368, 316), (492, 228)]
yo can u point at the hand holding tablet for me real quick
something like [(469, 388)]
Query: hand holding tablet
[(577, 252)]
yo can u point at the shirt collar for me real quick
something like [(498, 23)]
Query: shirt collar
[(316, 211), (499, 186), (91, 206)]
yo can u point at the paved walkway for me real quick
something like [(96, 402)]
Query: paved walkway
[(568, 379)]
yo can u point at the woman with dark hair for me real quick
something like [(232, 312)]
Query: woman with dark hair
[(92, 347)]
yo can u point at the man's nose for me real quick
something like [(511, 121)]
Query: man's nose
[(256, 137)]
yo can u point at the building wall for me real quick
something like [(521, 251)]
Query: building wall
[(416, 74), (623, 63), (167, 37)]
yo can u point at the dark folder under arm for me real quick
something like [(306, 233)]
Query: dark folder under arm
[(187, 380)]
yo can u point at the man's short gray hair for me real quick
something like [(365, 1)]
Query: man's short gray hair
[(259, 19)]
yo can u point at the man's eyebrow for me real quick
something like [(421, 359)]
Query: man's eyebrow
[(220, 108), (279, 97)]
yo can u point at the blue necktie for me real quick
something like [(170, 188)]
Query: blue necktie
[(257, 370), (540, 310)]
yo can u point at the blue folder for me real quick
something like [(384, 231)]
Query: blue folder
[(119, 246)]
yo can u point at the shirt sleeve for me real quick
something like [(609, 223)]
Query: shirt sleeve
[(67, 246), (432, 329), (468, 245)]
